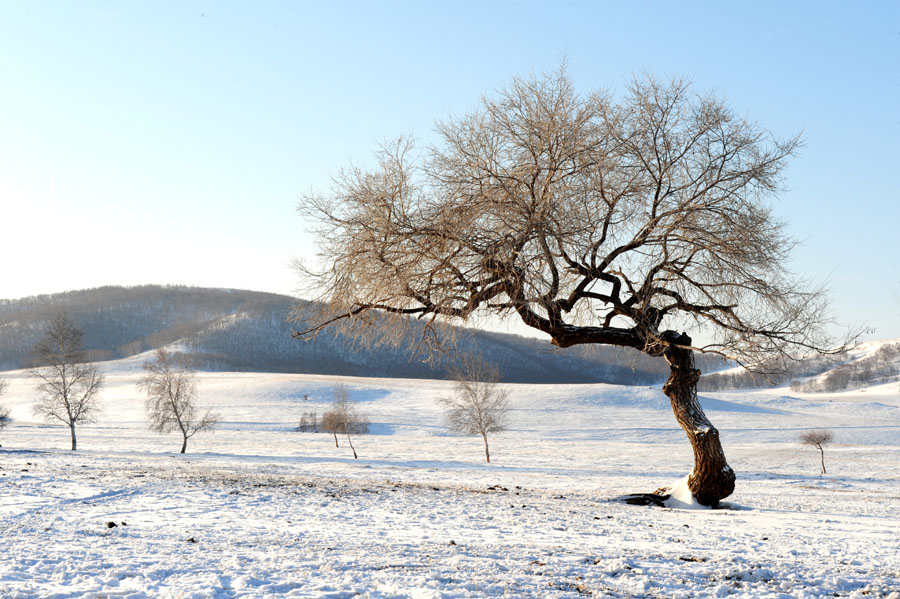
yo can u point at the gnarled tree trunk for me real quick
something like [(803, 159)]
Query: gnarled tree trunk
[(712, 478)]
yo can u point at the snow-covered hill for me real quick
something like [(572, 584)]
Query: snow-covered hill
[(257, 509), (230, 329), (869, 364)]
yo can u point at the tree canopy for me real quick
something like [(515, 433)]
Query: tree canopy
[(595, 219)]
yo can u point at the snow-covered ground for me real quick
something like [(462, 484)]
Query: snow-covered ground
[(257, 509)]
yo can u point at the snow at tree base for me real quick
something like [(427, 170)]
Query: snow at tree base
[(258, 509)]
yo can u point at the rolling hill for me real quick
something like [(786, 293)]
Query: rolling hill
[(235, 330), (238, 330)]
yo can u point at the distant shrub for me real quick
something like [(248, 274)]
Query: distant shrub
[(4, 411), (309, 423), (5, 420)]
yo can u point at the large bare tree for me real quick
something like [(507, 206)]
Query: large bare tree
[(68, 386), (171, 404), (596, 219)]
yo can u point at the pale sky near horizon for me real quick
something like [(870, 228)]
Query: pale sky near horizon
[(168, 142)]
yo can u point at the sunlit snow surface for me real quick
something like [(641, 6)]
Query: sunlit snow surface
[(259, 510)]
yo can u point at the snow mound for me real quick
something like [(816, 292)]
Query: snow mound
[(681, 498)]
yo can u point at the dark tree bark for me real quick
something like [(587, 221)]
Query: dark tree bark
[(712, 478), (74, 441), (487, 453)]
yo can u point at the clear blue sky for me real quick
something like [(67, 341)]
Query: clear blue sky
[(168, 142)]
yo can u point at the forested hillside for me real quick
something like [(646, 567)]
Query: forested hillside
[(248, 331)]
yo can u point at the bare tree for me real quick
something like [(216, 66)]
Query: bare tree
[(480, 405), (818, 439), (68, 386), (594, 220), (171, 388), (332, 423), (343, 418)]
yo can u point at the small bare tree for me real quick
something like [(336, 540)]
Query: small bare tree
[(331, 423), (818, 439), (480, 405), (343, 418), (68, 386), (170, 386)]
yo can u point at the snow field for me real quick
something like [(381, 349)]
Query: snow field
[(259, 510)]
